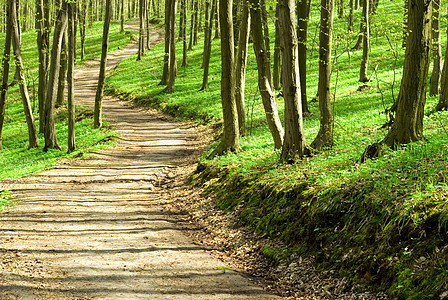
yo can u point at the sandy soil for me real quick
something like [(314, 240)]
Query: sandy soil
[(103, 227)]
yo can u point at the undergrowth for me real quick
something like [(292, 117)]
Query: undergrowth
[(384, 222)]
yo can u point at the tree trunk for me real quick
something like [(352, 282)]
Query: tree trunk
[(5, 73), (82, 28), (264, 81), (193, 7), (277, 69), (207, 45), (121, 16), (365, 43), (294, 145), (32, 131), (43, 44), (62, 72), (184, 34), (324, 137), (443, 100), (350, 16), (141, 32), (70, 67), (166, 58), (241, 64), (51, 141), (304, 10), (340, 9), (206, 26), (172, 55), (408, 125), (97, 118), (231, 137), (267, 40), (434, 86), (196, 24)]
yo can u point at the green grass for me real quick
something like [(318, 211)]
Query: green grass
[(16, 160), (373, 222), (4, 199)]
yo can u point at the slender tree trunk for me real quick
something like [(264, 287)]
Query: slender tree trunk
[(196, 24), (231, 137), (277, 69), (70, 67), (165, 74), (304, 10), (97, 118), (184, 35), (141, 32), (51, 141), (122, 16), (241, 64), (32, 131), (408, 125), (325, 135), (206, 26), (294, 145), (443, 100), (434, 86), (365, 43), (350, 16), (207, 45), (267, 40), (43, 44), (5, 71), (217, 26), (264, 81), (190, 44), (147, 17), (62, 72), (172, 60)]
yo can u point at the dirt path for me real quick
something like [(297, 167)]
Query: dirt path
[(100, 228)]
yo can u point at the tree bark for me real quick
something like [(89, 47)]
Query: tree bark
[(97, 118), (43, 44), (408, 125), (5, 71), (172, 54), (193, 7), (241, 64), (304, 10), (350, 16), (184, 34), (71, 34), (277, 68), (141, 32), (294, 146), (365, 43), (264, 80), (207, 45), (62, 72), (443, 99), (231, 137), (434, 82), (267, 40), (324, 137), (51, 141), (166, 58)]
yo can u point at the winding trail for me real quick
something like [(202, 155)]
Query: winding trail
[(100, 228)]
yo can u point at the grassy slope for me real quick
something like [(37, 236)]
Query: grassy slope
[(16, 161), (382, 222)]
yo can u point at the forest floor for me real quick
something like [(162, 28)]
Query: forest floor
[(107, 227)]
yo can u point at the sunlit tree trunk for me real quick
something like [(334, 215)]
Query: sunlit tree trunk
[(193, 7), (62, 72), (71, 34), (207, 45), (408, 125), (184, 34), (5, 71), (277, 68), (294, 146), (303, 14), (51, 141), (241, 64), (43, 44), (365, 43), (172, 54), (264, 79), (324, 137), (141, 32), (230, 139), (166, 57), (97, 114), (434, 85)]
